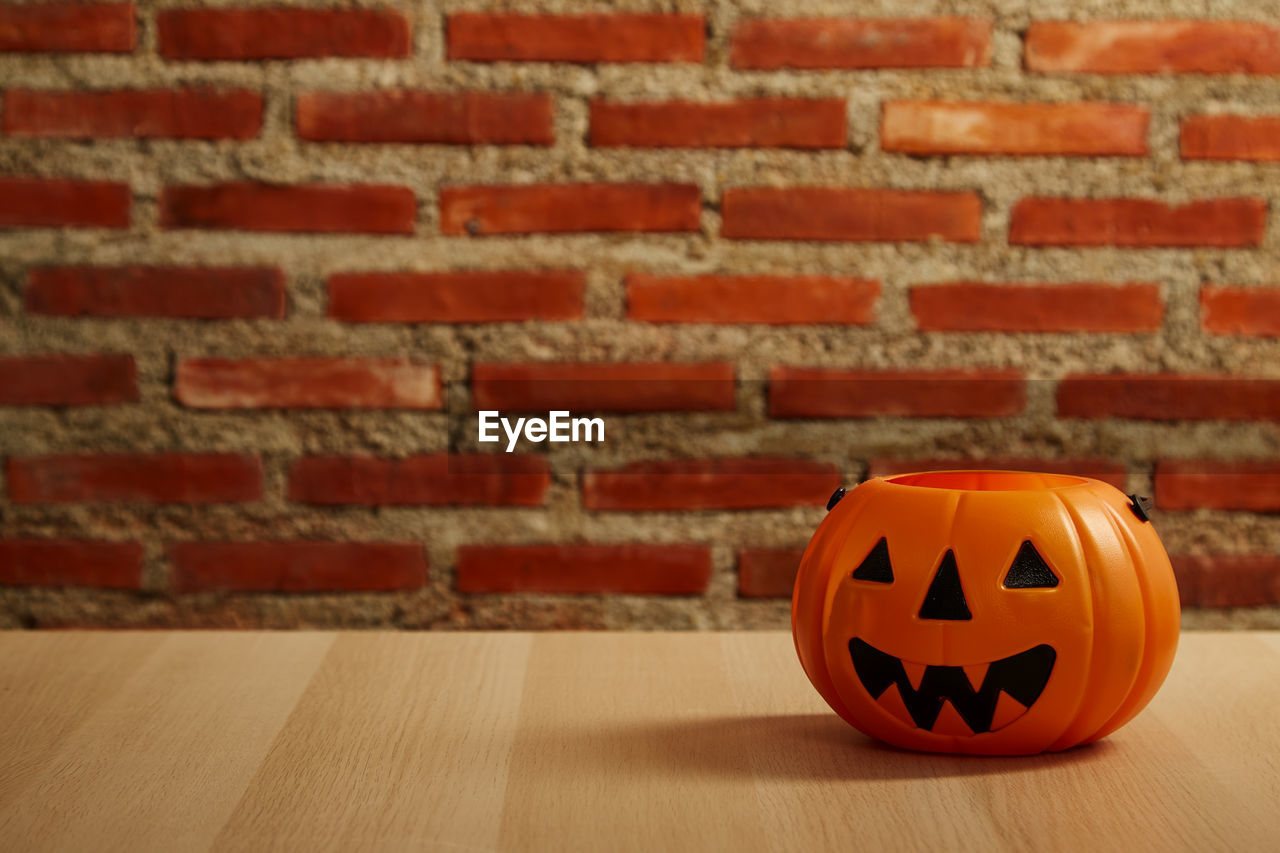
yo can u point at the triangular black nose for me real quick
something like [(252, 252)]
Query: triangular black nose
[(945, 598)]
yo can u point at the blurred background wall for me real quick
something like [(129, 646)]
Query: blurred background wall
[(259, 263)]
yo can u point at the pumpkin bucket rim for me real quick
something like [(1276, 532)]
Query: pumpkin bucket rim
[(987, 480)]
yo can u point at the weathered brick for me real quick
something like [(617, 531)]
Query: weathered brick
[(829, 213), (63, 203), (566, 208), (188, 478), (1069, 307), (67, 380), (697, 484), (281, 33), (1168, 397), (768, 572), (1228, 580), (1196, 483), (603, 387), (494, 37), (67, 562), (297, 567), (949, 127), (67, 28), (1153, 47), (585, 569), (245, 206), (1226, 137), (1226, 310), (772, 299), (819, 392), (185, 292), (454, 118), (1137, 222), (861, 43), (437, 479), (307, 383), (754, 123), (456, 297), (139, 113)]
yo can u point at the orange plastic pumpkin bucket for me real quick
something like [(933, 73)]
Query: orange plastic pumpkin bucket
[(990, 612)]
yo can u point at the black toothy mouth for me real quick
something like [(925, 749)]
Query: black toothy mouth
[(982, 697)]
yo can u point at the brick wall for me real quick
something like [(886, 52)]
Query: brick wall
[(258, 261)]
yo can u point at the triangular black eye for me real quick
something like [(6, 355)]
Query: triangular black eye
[(876, 566), (945, 597), (1029, 570)]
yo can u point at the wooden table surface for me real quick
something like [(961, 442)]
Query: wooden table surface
[(652, 742)]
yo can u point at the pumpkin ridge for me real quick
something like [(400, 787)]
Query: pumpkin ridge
[(1122, 535), (810, 563), (1132, 627), (1079, 553), (1147, 680), (828, 595)]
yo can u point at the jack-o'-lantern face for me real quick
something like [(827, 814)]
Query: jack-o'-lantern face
[(986, 695), (995, 612)]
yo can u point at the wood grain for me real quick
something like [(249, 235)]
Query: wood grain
[(607, 725), (376, 741), (400, 739), (189, 725)]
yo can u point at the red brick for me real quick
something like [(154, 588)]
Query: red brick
[(768, 572), (307, 383), (317, 208), (773, 299), (1221, 137), (564, 208), (1073, 307), (297, 566), (585, 569), (63, 203), (187, 478), (489, 37), (755, 123), (67, 380), (456, 297), (1228, 580), (66, 562), (817, 392), (1226, 310), (1153, 47), (187, 292), (1191, 484), (797, 299), (281, 33), (861, 43), (751, 483), (477, 479), (1137, 222), (1168, 397), (830, 213), (604, 387), (67, 27), (455, 118), (948, 127), (1097, 469), (140, 113)]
